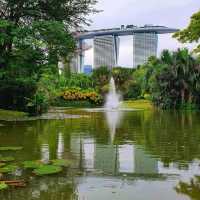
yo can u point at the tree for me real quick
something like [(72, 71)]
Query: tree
[(172, 80), (70, 12), (192, 32), (51, 21), (34, 36)]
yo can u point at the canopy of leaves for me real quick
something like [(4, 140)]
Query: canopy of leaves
[(172, 80), (192, 32), (71, 12), (34, 36)]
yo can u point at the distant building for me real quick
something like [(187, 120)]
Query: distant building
[(87, 69), (106, 44), (144, 46), (106, 51)]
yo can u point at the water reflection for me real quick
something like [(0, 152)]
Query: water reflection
[(60, 149), (113, 118), (88, 153), (126, 158), (45, 156), (138, 155)]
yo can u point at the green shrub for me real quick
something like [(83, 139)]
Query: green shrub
[(78, 94), (38, 104), (133, 91)]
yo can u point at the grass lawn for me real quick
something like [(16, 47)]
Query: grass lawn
[(11, 115), (138, 104)]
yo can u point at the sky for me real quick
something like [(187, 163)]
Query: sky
[(171, 13)]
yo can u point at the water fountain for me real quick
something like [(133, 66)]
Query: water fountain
[(113, 114), (112, 99)]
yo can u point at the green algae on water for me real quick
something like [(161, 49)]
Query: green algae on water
[(47, 170)]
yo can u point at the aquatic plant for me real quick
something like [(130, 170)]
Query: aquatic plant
[(32, 164), (47, 170), (8, 168), (10, 148), (61, 163), (3, 186), (6, 159)]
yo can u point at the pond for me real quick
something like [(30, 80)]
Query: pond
[(124, 155)]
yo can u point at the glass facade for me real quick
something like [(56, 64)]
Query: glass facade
[(106, 50), (144, 46)]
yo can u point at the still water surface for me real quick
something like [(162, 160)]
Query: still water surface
[(116, 156)]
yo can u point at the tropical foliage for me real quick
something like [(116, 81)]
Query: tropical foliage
[(192, 32), (173, 80), (34, 36)]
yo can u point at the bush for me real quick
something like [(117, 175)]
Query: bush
[(78, 94), (38, 104), (133, 91), (15, 94)]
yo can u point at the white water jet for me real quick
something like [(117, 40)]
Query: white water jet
[(113, 114), (112, 98)]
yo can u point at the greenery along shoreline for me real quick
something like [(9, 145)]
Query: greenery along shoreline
[(169, 82), (33, 40)]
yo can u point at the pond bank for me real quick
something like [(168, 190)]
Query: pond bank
[(138, 104), (11, 115), (59, 112)]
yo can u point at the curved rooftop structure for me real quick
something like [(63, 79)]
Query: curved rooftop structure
[(125, 30), (106, 44)]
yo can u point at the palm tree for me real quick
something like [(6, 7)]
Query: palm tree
[(177, 77)]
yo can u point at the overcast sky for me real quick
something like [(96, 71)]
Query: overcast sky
[(171, 13)]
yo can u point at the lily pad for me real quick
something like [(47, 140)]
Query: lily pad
[(32, 164), (61, 162), (10, 148), (3, 186), (7, 159), (47, 170), (8, 168)]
